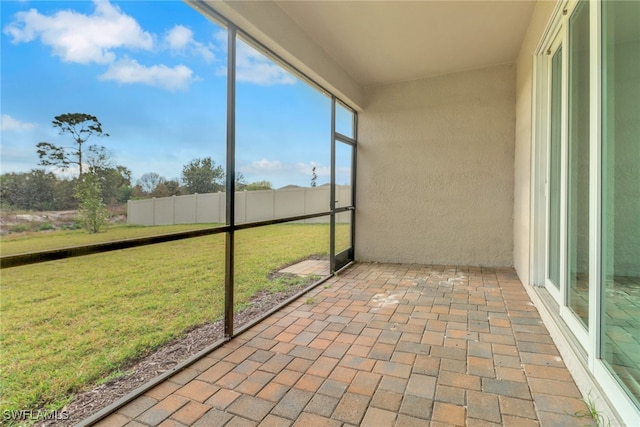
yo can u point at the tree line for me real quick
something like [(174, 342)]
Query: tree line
[(42, 190)]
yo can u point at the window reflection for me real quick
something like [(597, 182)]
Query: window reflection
[(621, 193)]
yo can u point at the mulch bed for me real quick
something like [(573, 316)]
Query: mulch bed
[(89, 402)]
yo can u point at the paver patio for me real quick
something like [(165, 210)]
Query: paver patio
[(380, 345)]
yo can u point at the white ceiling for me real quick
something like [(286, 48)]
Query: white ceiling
[(377, 42)]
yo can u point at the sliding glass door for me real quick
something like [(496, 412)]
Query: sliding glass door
[(568, 171), (589, 152)]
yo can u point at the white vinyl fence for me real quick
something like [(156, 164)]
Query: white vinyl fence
[(250, 206)]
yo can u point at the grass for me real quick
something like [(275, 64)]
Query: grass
[(592, 412), (69, 324), (17, 243)]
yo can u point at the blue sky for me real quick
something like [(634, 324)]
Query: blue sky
[(154, 74)]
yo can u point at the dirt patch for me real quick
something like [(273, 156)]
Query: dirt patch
[(20, 222), (140, 372), (12, 222)]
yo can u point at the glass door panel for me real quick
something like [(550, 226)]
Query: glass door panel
[(343, 199), (554, 173), (344, 194), (620, 329), (578, 164)]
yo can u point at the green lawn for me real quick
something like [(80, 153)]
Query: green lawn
[(67, 325), (18, 243)]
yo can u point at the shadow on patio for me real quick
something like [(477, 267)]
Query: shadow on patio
[(382, 345)]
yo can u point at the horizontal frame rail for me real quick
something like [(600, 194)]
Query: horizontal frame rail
[(17, 260), (8, 261)]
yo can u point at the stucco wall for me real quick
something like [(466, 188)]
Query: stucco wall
[(435, 170), (523, 138)]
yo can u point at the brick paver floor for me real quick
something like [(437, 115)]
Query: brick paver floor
[(380, 345)]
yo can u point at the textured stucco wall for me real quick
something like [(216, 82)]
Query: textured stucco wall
[(435, 170), (524, 131)]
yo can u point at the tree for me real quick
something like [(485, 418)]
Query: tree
[(168, 188), (124, 194), (203, 176), (92, 210), (241, 182), (81, 127), (314, 177), (174, 188), (65, 194), (29, 190), (258, 185), (149, 181), (115, 183), (137, 193), (98, 157)]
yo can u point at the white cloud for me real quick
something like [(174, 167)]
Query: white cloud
[(129, 70), (253, 67), (204, 52), (281, 173), (9, 123), (80, 38), (180, 39), (277, 167), (262, 166)]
